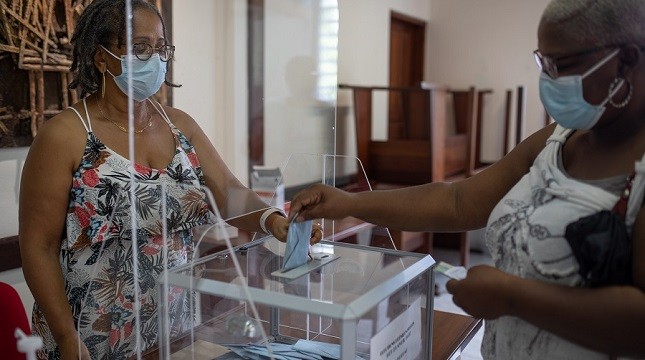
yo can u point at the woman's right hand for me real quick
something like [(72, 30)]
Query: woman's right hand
[(69, 348), (320, 201)]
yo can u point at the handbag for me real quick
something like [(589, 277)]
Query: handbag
[(602, 245)]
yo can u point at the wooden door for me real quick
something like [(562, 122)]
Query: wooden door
[(407, 42)]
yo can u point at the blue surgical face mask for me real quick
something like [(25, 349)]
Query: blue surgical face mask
[(147, 75), (563, 100)]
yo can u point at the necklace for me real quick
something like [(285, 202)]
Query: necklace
[(121, 127)]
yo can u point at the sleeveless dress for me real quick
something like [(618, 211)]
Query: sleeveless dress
[(525, 234), (96, 257)]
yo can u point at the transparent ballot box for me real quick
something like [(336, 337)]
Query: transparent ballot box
[(350, 302)]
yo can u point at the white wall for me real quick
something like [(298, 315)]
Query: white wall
[(364, 55), (210, 63), (364, 39), (488, 44), (11, 162), (295, 120)]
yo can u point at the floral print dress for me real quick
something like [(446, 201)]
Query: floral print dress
[(97, 255)]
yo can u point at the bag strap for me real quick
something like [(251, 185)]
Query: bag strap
[(621, 205)]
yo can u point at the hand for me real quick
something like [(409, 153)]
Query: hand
[(320, 201), (316, 234), (279, 226), (484, 293), (69, 349)]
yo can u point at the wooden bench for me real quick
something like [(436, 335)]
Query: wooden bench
[(420, 148)]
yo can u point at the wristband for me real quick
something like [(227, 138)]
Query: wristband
[(265, 216)]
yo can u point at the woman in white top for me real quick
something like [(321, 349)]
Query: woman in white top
[(536, 303)]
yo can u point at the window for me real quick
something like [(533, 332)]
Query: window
[(327, 51)]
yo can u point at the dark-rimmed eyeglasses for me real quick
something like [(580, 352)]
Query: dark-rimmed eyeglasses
[(144, 51), (549, 65)]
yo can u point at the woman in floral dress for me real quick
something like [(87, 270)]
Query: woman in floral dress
[(78, 194)]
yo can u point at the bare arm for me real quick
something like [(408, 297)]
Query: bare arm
[(609, 319), (44, 196), (433, 207), (239, 205)]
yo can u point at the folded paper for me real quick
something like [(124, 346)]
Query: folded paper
[(297, 244)]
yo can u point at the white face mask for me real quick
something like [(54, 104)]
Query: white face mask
[(147, 75), (564, 102)]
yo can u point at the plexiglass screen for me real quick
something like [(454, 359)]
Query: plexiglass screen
[(187, 98)]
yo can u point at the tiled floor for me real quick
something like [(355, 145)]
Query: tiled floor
[(444, 300)]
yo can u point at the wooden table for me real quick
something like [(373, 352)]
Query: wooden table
[(450, 334)]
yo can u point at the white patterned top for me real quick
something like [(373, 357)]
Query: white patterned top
[(525, 235)]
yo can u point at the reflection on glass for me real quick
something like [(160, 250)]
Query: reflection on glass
[(300, 79), (242, 326)]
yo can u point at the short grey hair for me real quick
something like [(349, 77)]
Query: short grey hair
[(606, 22)]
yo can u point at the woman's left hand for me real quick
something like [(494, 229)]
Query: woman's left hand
[(279, 227), (484, 293)]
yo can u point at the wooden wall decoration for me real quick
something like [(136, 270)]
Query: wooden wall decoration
[(35, 57)]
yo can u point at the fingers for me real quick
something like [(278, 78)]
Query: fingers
[(299, 202), (300, 206), (294, 209), (305, 205), (316, 234), (452, 285)]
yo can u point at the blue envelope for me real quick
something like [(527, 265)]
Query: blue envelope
[(325, 350), (297, 249)]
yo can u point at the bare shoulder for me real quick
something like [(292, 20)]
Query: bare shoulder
[(528, 150), (184, 122), (61, 138)]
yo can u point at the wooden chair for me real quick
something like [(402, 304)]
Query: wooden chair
[(478, 163), (519, 118), (418, 149), (469, 113), (467, 118)]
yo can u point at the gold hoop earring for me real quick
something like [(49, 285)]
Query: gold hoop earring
[(613, 86), (103, 86)]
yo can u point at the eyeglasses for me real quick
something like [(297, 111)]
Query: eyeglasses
[(143, 51), (549, 64)]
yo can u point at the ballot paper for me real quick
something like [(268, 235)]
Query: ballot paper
[(297, 250), (453, 272), (302, 350)]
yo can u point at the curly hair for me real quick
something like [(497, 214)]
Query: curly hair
[(101, 23)]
